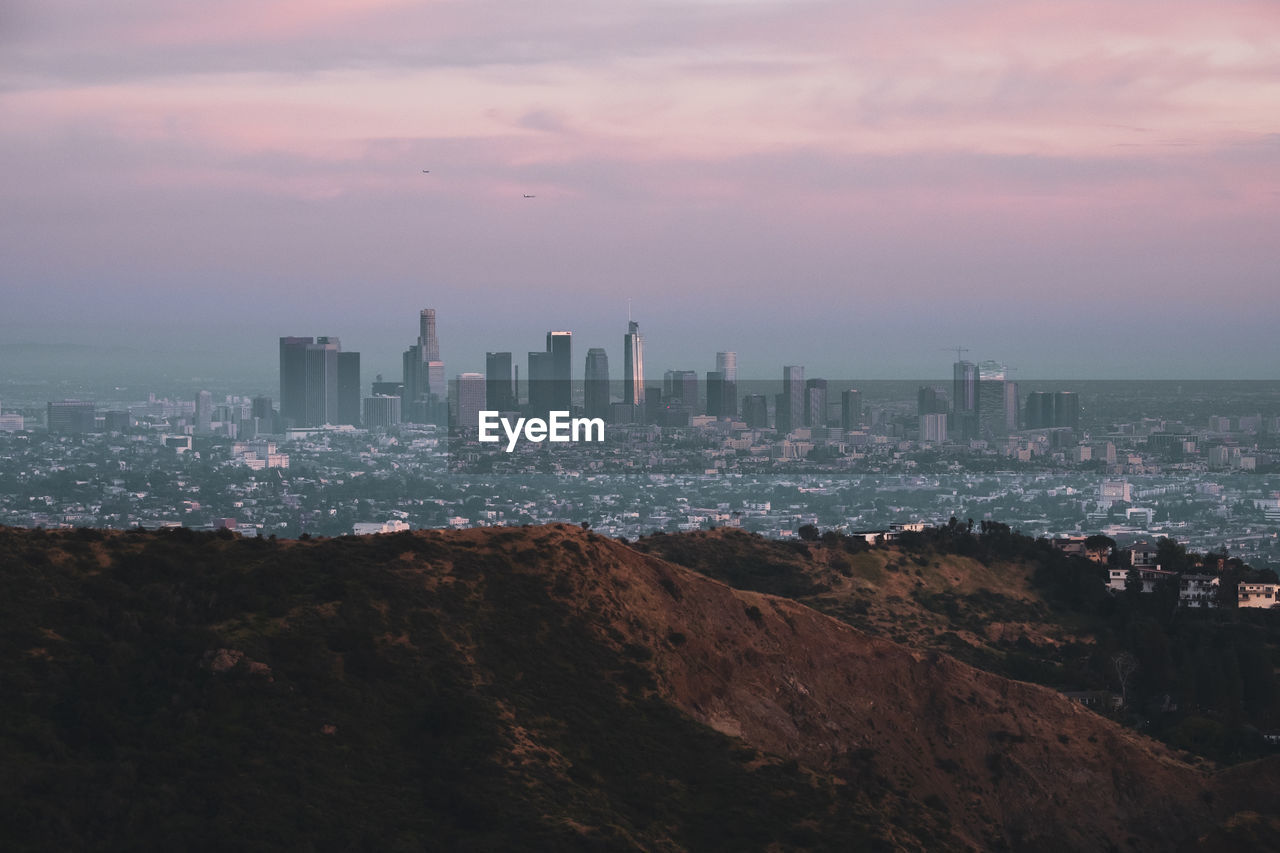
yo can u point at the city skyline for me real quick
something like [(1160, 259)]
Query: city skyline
[(1088, 193)]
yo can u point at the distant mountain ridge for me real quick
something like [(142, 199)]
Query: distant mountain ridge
[(532, 688)]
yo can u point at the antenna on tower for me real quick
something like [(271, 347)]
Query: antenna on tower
[(628, 309)]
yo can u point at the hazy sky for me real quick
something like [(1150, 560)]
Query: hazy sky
[(1077, 188)]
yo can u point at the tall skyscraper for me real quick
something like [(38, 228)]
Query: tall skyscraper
[(1066, 409), (560, 345), (727, 364), (1011, 407), (992, 422), (204, 413), (1039, 410), (293, 379), (540, 373), (850, 409), (321, 403), (500, 390), (309, 380), (596, 384), (790, 409), (815, 403), (427, 335), (471, 400), (426, 396), (633, 365), (722, 396), (964, 399), (755, 411), (349, 396)]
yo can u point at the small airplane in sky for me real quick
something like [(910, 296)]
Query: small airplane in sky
[(426, 171), (526, 195)]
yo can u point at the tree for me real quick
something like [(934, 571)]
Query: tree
[(1125, 665), (808, 532), (1171, 556), (1099, 543)]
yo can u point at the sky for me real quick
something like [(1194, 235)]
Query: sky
[(1078, 189)]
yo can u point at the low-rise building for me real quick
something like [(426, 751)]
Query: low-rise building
[(1118, 578), (369, 528), (1198, 591), (1257, 594)]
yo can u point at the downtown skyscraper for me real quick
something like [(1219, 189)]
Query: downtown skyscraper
[(992, 400), (595, 391), (633, 365), (551, 375), (560, 345), (425, 395), (500, 387), (790, 409), (309, 382), (964, 400)]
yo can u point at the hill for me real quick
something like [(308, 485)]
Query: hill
[(540, 688), (1202, 680)]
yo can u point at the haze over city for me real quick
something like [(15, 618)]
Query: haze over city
[(1080, 190)]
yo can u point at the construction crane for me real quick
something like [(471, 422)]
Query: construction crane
[(958, 350)]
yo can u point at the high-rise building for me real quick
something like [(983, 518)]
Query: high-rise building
[(381, 411), (1066, 409), (964, 399), (293, 379), (633, 365), (204, 413), (309, 380), (850, 409), (652, 404), (933, 427), (755, 411), (540, 374), (596, 384), (427, 335), (559, 345), (320, 405), (722, 395), (790, 409), (1039, 410), (471, 400), (425, 396), (815, 403), (727, 364), (992, 422), (681, 386), (930, 400), (349, 388), (71, 416), (500, 390), (1011, 406)]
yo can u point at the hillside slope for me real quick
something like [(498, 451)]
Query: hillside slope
[(541, 688)]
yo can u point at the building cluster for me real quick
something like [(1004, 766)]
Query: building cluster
[(1137, 567), (1138, 564)]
